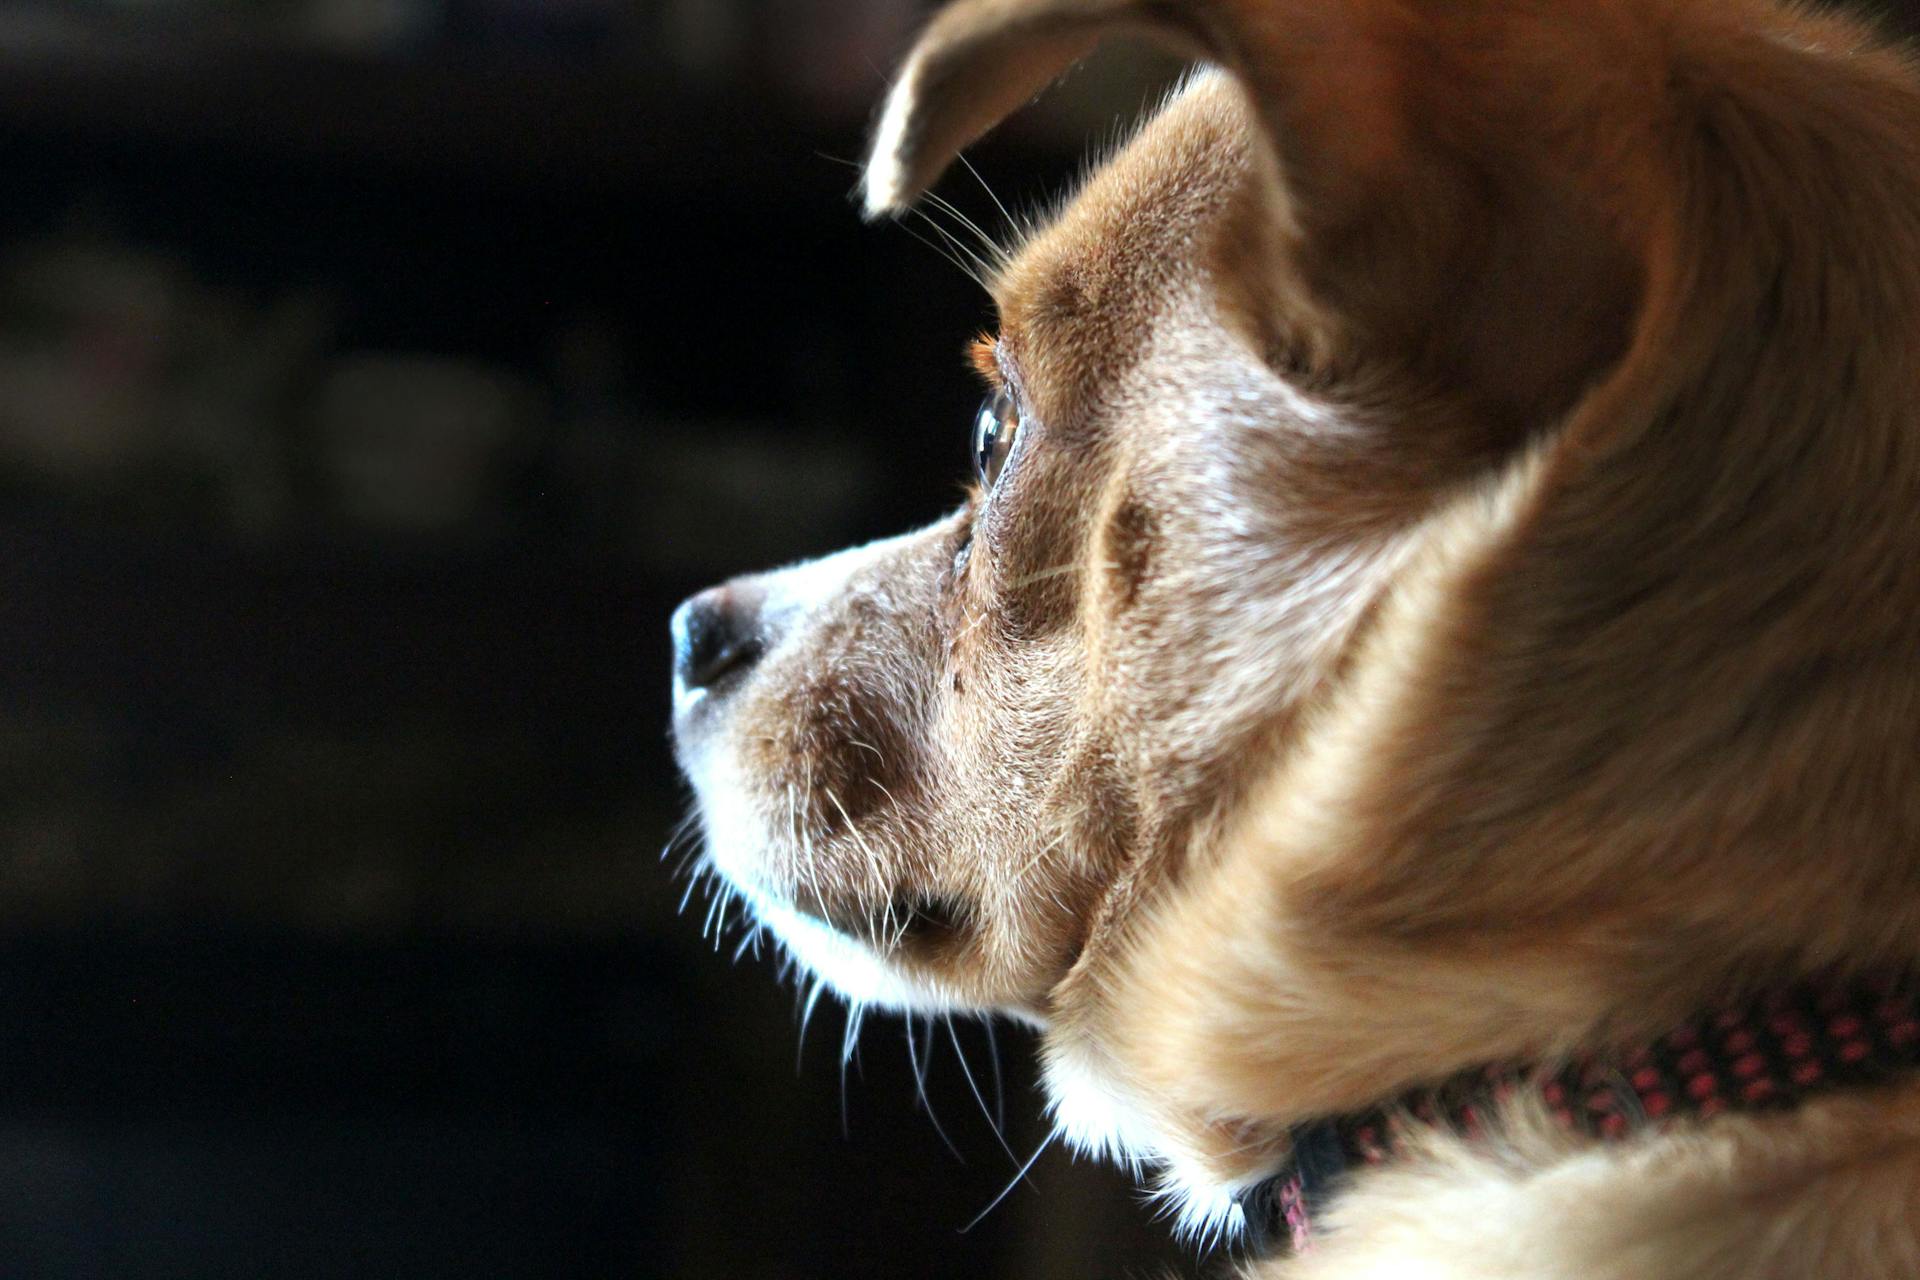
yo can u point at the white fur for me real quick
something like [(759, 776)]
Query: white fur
[(883, 185), (799, 589), (1093, 1116), (849, 967)]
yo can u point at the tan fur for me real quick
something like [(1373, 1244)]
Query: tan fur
[(1828, 1193), (1457, 599)]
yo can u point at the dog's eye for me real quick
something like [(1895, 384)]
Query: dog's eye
[(994, 432)]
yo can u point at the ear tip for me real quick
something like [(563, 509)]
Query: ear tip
[(884, 192), (886, 187)]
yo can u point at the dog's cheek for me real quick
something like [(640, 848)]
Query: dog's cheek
[(1055, 802), (860, 756), (1130, 536)]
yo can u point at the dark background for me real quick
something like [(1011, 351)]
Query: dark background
[(375, 375)]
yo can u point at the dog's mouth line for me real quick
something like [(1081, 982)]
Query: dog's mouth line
[(905, 924)]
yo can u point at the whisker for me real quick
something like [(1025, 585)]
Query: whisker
[(965, 631), (873, 860), (967, 1071), (850, 1035), (1008, 218), (953, 256), (809, 868), (1041, 575), (965, 222), (806, 1019), (993, 1057), (900, 931), (693, 882), (989, 257), (687, 825), (1021, 875), (920, 1065), (982, 250), (1018, 1178), (849, 1052)]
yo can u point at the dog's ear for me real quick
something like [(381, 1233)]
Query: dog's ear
[(1452, 199), (1324, 71), (978, 61)]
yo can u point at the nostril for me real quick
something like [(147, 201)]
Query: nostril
[(706, 665), (714, 633)]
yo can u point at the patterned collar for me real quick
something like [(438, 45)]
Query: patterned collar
[(1768, 1055)]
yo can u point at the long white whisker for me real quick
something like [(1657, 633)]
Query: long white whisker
[(919, 1064), (1007, 217), (960, 264), (681, 830), (984, 251), (873, 860), (960, 217), (728, 897), (989, 258), (814, 992), (693, 882), (849, 1052), (967, 1071), (1041, 575), (1018, 1178), (809, 868), (993, 1057), (900, 932)]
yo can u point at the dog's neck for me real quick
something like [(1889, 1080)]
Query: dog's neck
[(1771, 1054)]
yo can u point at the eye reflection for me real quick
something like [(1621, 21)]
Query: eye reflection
[(995, 429)]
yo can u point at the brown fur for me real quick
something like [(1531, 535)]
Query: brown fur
[(1457, 598)]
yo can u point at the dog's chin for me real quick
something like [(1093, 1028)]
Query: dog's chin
[(850, 967), (737, 847)]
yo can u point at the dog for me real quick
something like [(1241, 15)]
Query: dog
[(1421, 706)]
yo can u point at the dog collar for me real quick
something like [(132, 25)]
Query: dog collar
[(1769, 1055)]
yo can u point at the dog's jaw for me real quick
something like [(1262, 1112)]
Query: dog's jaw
[(861, 977), (736, 840)]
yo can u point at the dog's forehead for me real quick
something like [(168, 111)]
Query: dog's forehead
[(1134, 233)]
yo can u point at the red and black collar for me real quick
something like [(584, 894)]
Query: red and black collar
[(1767, 1055)]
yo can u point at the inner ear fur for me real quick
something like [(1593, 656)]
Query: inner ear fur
[(1446, 194)]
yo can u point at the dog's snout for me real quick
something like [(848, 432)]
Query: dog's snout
[(715, 634)]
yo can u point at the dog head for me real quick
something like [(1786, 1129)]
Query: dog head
[(1228, 381), (1333, 324)]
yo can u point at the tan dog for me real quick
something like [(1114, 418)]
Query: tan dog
[(1443, 589)]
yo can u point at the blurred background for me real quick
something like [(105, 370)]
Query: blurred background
[(375, 375)]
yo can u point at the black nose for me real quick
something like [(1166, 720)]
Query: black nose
[(715, 634)]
